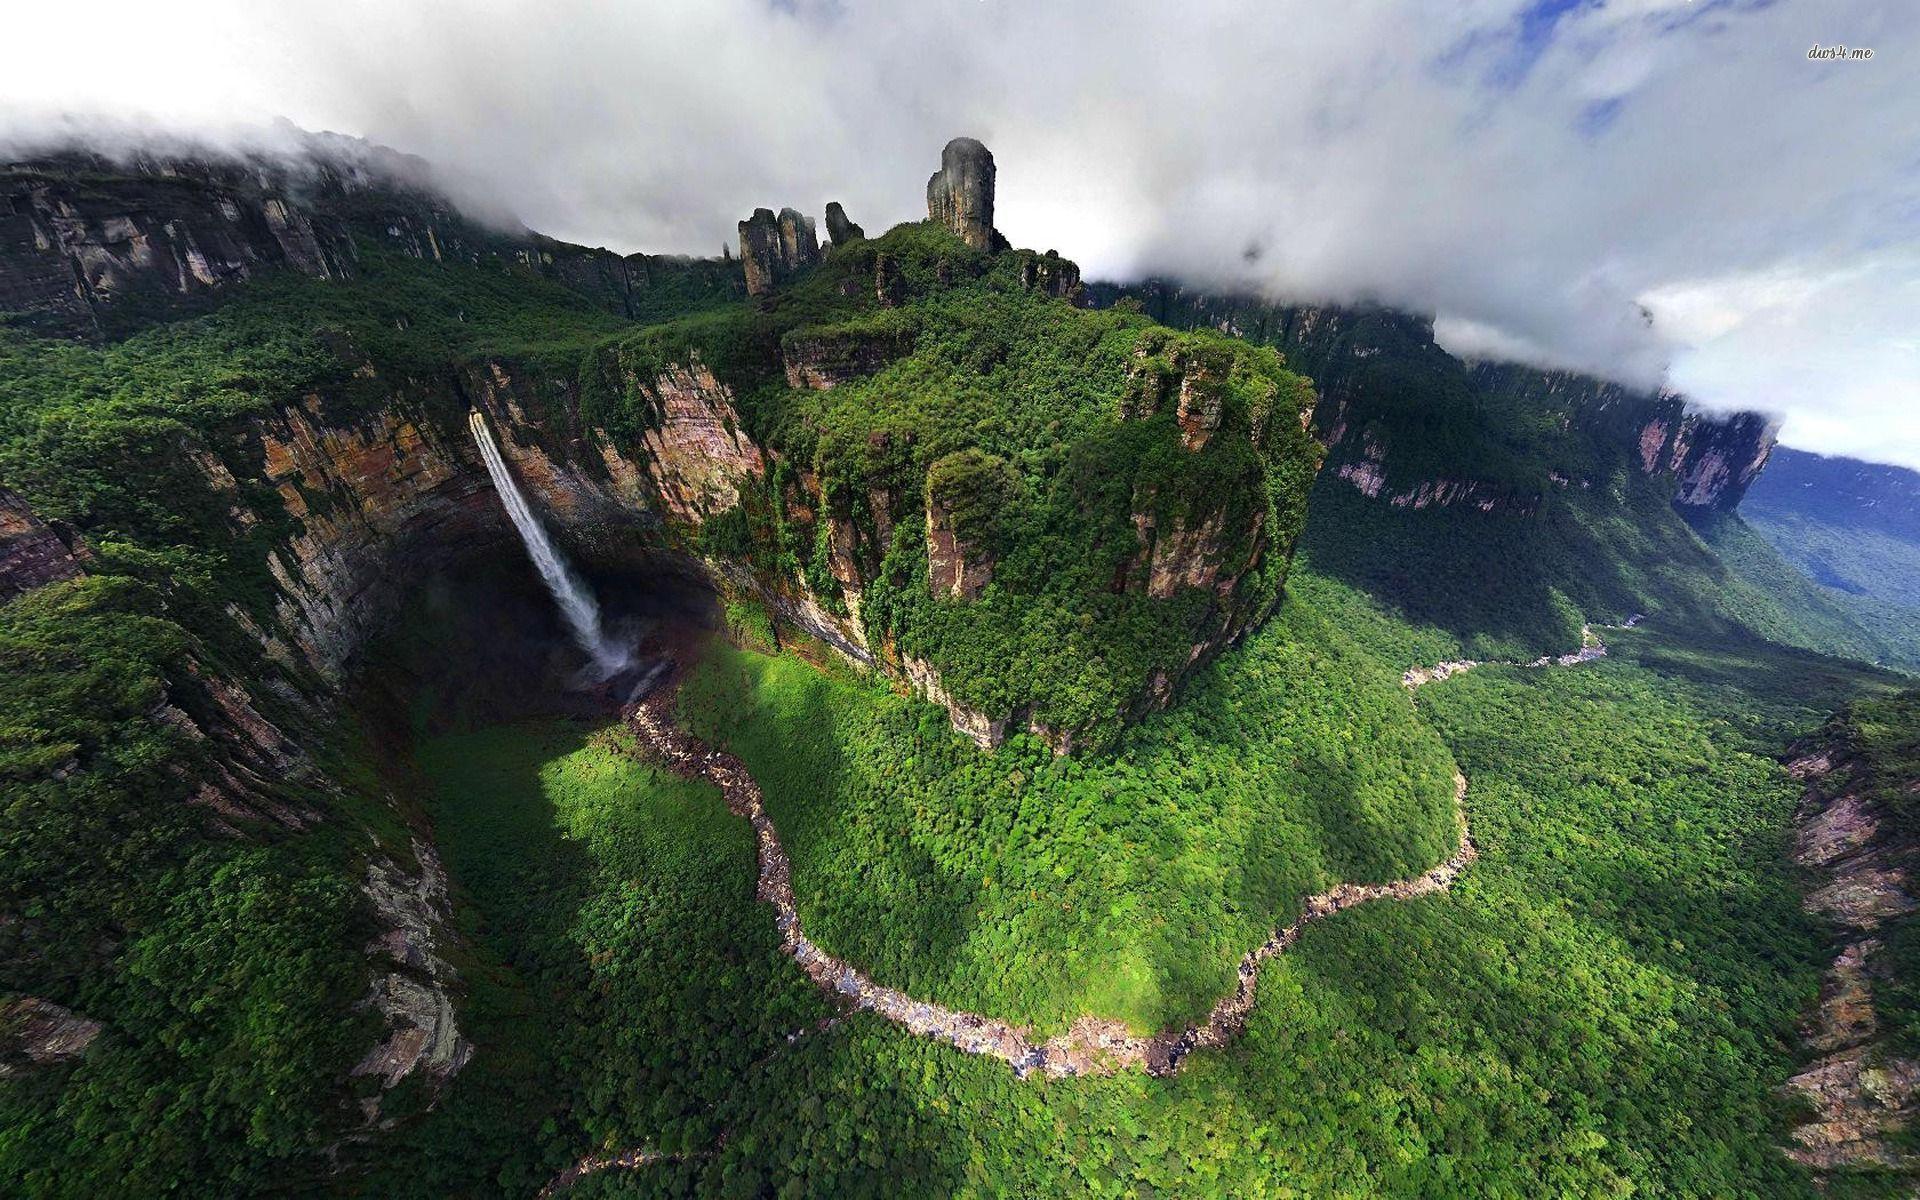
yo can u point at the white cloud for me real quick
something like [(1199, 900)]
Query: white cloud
[(1535, 181)]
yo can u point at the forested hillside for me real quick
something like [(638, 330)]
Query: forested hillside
[(1414, 825), (1851, 527)]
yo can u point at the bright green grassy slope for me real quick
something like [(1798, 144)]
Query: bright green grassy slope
[(1602, 1006), (1041, 889)]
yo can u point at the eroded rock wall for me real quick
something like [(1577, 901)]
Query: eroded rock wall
[(31, 553), (1385, 383), (91, 245), (1864, 1095), (73, 247), (773, 249)]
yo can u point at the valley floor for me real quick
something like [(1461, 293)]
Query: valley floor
[(1604, 1004)]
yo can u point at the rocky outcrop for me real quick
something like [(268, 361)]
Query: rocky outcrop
[(1368, 474), (405, 482), (967, 495), (250, 762), (960, 193), (983, 730), (1182, 555), (1201, 393), (798, 244), (31, 553), (1863, 1094), (820, 359), (956, 570), (1051, 275), (1713, 459), (73, 247), (698, 456), (1709, 459), (760, 255), (840, 230), (93, 245), (1385, 382), (412, 987), (774, 249), (39, 1033)]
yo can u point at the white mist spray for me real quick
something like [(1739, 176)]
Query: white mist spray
[(569, 590)]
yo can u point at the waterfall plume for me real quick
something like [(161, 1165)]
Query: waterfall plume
[(576, 603)]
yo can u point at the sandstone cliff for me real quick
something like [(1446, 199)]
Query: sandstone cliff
[(91, 245), (840, 228), (1862, 1089), (1391, 397), (31, 554), (316, 492), (774, 249), (1708, 459)]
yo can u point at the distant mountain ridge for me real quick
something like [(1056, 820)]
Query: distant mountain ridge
[(1841, 490), (1849, 525), (1506, 503), (1406, 420), (93, 244)]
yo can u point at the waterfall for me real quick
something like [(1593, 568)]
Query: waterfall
[(569, 590)]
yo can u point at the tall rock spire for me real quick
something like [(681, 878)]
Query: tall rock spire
[(960, 194)]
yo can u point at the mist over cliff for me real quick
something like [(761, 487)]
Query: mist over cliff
[(1662, 191)]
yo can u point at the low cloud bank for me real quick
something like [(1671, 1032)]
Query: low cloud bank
[(1654, 190)]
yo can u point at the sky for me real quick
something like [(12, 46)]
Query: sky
[(1659, 191)]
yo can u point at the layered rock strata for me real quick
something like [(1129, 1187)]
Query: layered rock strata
[(31, 553), (1864, 1095)]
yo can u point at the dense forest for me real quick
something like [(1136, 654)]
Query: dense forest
[(1543, 1021), (1067, 676)]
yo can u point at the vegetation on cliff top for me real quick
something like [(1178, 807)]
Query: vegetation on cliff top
[(227, 1066), (1602, 1005), (973, 360)]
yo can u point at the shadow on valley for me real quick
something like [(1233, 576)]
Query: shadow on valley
[(618, 975)]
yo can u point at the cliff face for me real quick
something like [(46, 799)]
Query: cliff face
[(361, 485), (1861, 1087), (1708, 459), (1714, 459), (31, 554), (821, 359), (960, 193), (775, 249), (1409, 423), (404, 483), (993, 541), (72, 250), (91, 246)]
